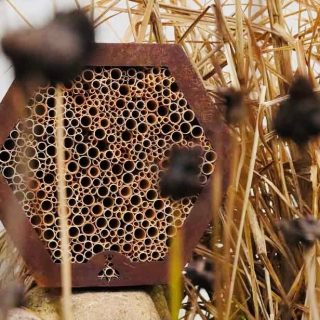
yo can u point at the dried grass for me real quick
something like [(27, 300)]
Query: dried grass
[(255, 48), (258, 47)]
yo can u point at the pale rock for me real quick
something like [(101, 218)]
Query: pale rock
[(93, 305)]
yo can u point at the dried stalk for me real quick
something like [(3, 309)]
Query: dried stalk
[(64, 229), (244, 209)]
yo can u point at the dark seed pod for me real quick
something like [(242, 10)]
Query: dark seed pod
[(55, 52), (301, 230), (298, 118), (233, 105), (201, 273), (182, 178)]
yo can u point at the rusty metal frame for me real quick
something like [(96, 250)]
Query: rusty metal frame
[(38, 260)]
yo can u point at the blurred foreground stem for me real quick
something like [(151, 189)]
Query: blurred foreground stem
[(65, 254)]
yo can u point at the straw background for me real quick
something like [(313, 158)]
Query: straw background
[(258, 45)]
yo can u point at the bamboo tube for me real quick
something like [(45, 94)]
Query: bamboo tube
[(96, 182), (48, 234), (188, 115), (131, 72), (56, 255), (207, 168), (85, 181), (79, 102), (94, 171), (115, 73), (96, 84), (101, 223), (8, 172), (9, 144), (35, 220), (78, 137), (118, 202), (48, 219), (88, 75), (17, 179), (196, 131), (124, 90), (185, 127), (144, 204), (97, 209), (125, 192), (115, 86), (88, 199), (88, 229), (5, 156), (84, 162), (78, 86), (117, 169), (88, 255), (210, 156), (76, 210), (72, 202), (173, 107), (143, 256), (53, 244), (128, 237), (14, 134), (26, 207), (145, 223), (166, 128), (68, 177), (82, 238), (169, 220), (97, 248), (139, 165), (151, 119), (128, 217), (104, 234), (108, 201), (104, 168), (168, 210), (81, 148), (71, 132), (120, 234), (100, 134), (72, 167), (139, 234), (46, 205), (77, 248), (177, 137), (139, 86), (151, 195), (85, 121), (79, 258), (126, 247), (127, 177)]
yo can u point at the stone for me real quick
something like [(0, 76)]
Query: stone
[(21, 314), (100, 305)]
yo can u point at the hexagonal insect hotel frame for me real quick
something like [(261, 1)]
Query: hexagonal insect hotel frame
[(122, 115)]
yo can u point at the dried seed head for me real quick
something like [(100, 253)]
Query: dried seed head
[(201, 273), (298, 118), (182, 178), (55, 52), (233, 104), (301, 230)]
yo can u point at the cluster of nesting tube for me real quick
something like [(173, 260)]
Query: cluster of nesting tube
[(120, 125)]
